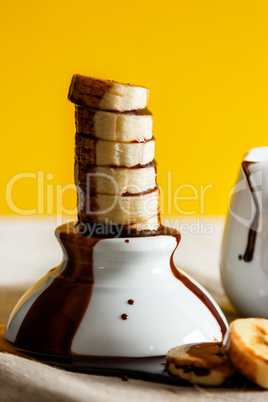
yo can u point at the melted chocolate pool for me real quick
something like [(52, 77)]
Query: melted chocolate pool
[(212, 354)]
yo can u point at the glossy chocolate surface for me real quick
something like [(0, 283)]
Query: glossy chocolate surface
[(252, 234)]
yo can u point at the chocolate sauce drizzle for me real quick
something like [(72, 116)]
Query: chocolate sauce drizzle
[(151, 190), (196, 290), (52, 321), (138, 112), (139, 166), (252, 234), (96, 139)]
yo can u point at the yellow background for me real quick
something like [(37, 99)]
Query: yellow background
[(205, 62)]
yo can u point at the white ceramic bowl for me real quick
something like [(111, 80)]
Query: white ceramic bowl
[(165, 312)]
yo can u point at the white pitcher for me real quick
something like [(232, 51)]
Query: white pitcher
[(244, 257)]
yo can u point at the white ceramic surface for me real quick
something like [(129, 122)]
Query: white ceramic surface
[(165, 312), (246, 283)]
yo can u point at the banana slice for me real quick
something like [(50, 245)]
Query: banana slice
[(204, 363), (248, 348), (150, 226), (108, 180), (90, 151), (114, 126), (117, 209), (106, 95)]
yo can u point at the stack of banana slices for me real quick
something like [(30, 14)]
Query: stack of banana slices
[(115, 173)]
